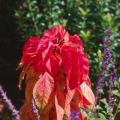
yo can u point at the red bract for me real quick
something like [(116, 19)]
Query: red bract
[(30, 50), (74, 64), (62, 84)]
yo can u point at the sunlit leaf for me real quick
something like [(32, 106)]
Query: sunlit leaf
[(59, 110), (43, 90), (87, 93)]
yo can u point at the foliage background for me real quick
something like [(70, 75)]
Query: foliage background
[(86, 18)]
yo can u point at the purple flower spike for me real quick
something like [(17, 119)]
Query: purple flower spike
[(106, 62), (112, 79), (35, 110), (11, 107)]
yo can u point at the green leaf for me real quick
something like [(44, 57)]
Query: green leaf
[(102, 117), (103, 101), (116, 93)]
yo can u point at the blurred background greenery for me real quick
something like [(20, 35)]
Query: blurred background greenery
[(86, 18)]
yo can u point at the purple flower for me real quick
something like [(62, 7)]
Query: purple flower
[(107, 53), (100, 85), (11, 107), (108, 31), (74, 115), (105, 63), (108, 62), (35, 110), (112, 78)]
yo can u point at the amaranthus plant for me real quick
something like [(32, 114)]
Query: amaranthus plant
[(57, 77)]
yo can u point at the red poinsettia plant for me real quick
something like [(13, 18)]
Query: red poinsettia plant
[(57, 76)]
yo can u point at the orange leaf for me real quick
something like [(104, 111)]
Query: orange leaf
[(87, 93), (60, 88), (69, 97), (43, 90), (59, 110)]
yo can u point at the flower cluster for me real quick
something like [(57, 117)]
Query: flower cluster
[(57, 71), (107, 62), (112, 79), (10, 106)]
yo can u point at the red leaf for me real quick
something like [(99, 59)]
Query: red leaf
[(79, 98), (71, 63), (56, 34), (60, 88), (59, 110), (48, 51), (75, 39), (45, 50), (75, 64), (29, 50), (53, 65), (69, 96), (43, 90), (87, 93)]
